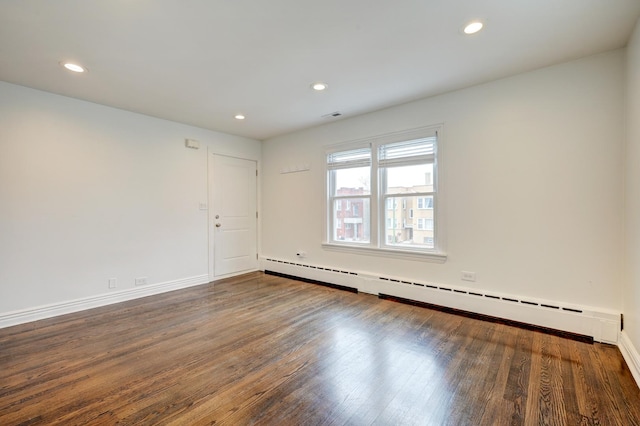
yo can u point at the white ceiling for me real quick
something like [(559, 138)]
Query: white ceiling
[(200, 62)]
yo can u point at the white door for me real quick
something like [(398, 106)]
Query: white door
[(234, 215)]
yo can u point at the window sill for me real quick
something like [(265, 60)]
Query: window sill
[(435, 257)]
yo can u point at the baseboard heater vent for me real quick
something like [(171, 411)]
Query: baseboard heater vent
[(307, 280), (489, 318), (581, 323), (319, 268), (488, 296), (417, 284)]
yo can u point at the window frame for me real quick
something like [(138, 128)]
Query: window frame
[(377, 244), (332, 196)]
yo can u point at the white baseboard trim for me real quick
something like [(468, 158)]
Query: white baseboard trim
[(231, 275), (42, 312), (601, 324), (631, 355)]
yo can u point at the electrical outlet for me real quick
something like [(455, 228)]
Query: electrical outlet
[(141, 281), (113, 282), (468, 276)]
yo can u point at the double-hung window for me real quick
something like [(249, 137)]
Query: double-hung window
[(349, 178), (392, 181)]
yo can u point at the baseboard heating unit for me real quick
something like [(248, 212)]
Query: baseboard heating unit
[(574, 321)]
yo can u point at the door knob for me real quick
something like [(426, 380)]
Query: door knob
[(218, 225)]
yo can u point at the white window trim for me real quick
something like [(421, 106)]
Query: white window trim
[(436, 257), (376, 247)]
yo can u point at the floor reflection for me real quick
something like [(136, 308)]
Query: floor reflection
[(370, 378)]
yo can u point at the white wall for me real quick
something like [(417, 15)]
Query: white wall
[(533, 184), (632, 222), (89, 192)]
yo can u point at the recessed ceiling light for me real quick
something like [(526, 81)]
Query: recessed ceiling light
[(240, 117), (319, 86), (73, 67), (473, 27)]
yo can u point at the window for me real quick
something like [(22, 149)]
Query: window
[(425, 224), (349, 173), (428, 224), (377, 176), (425, 202), (391, 204)]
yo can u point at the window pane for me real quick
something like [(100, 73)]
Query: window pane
[(410, 227), (390, 203), (351, 223), (355, 181), (425, 202), (408, 179)]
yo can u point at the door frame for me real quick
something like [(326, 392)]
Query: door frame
[(211, 219)]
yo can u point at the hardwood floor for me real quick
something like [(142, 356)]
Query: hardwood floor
[(261, 349)]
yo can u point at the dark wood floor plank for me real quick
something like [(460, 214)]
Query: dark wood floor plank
[(477, 396), (618, 385), (498, 409), (457, 371), (516, 390), (263, 349), (429, 349), (552, 378)]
